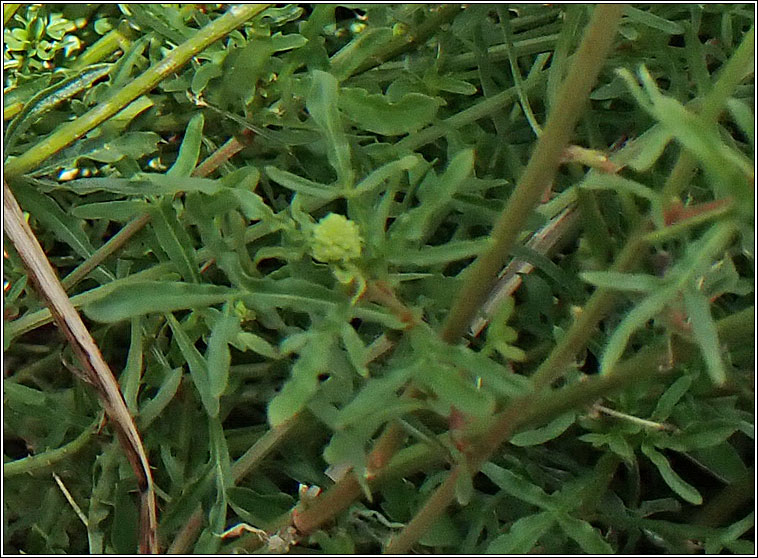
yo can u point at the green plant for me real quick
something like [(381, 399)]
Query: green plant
[(373, 278)]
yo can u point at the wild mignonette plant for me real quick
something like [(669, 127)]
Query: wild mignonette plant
[(379, 278)]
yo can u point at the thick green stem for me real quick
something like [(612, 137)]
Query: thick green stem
[(540, 171), (120, 37), (8, 11), (70, 132)]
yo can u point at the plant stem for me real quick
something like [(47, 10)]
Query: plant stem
[(113, 244), (540, 171), (222, 154), (425, 518), (120, 37), (188, 533), (94, 368), (267, 443), (8, 11), (345, 491), (734, 72), (583, 328), (71, 131), (404, 43), (247, 463), (219, 157), (602, 299), (532, 409), (553, 142), (476, 112), (538, 408), (41, 461)]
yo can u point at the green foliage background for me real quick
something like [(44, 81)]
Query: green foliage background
[(252, 367)]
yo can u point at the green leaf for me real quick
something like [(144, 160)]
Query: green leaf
[(522, 535), (132, 144), (705, 334), (256, 508), (303, 296), (731, 171), (449, 84), (147, 297), (174, 239), (125, 520), (346, 448), (500, 335), (131, 377), (217, 354), (436, 255), (446, 383), (335, 544), (246, 340), (464, 485), (322, 103), (303, 383), (219, 454), (552, 430), (649, 148), (442, 532), (120, 211), (356, 350), (618, 183), (383, 173), (722, 461), (377, 394), (586, 536), (743, 117), (618, 445), (675, 482), (377, 113), (633, 321), (651, 20), (190, 149), (670, 398), (518, 487), (197, 365), (60, 223), (155, 406), (359, 50), (49, 98), (144, 184), (614, 280), (435, 194), (19, 395), (299, 184), (700, 434), (203, 75)]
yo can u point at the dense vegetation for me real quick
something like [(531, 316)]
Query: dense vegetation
[(285, 226)]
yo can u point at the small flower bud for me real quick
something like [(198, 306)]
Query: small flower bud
[(336, 239)]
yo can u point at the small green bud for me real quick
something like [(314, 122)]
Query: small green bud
[(336, 239)]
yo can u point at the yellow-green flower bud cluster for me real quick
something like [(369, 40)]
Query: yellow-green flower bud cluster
[(336, 239)]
